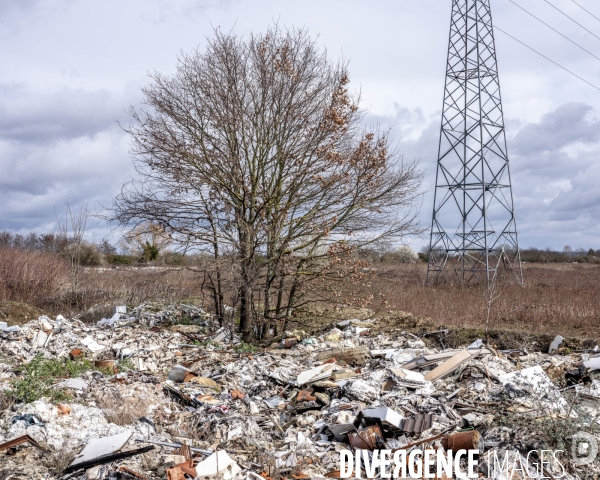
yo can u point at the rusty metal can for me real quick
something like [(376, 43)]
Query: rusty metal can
[(471, 440)]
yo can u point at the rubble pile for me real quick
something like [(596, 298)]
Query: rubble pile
[(166, 400)]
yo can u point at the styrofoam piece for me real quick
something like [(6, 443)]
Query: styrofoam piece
[(92, 344), (218, 465)]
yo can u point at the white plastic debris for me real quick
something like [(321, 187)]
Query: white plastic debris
[(218, 465), (556, 343), (592, 363), (476, 344), (92, 344), (99, 447), (315, 374), (362, 390)]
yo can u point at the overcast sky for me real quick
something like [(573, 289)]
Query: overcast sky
[(70, 68)]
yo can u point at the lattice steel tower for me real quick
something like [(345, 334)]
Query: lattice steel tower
[(473, 230)]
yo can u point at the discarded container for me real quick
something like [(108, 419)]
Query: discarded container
[(105, 365), (471, 440), (289, 343), (178, 374)]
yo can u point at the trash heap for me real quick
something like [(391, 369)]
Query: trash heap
[(171, 394)]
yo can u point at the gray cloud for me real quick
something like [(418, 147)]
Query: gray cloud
[(190, 10), (568, 124), (70, 68), (30, 117)]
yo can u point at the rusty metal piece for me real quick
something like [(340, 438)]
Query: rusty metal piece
[(178, 472), (334, 474), (185, 451), (471, 440), (289, 343), (369, 438), (133, 473), (305, 396), (20, 440), (237, 395), (75, 353)]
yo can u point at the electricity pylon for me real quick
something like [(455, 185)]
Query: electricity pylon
[(473, 229)]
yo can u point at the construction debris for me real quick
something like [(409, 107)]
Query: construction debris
[(210, 408)]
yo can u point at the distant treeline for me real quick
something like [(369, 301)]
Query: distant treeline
[(580, 255), (92, 254), (103, 253)]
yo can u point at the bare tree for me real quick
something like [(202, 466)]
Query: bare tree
[(147, 240), (72, 231), (255, 148)]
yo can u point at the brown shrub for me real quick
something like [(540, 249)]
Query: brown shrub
[(6, 401), (28, 276)]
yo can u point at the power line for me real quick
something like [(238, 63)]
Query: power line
[(564, 36), (549, 59), (572, 19), (580, 6)]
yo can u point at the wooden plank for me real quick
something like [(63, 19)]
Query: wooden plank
[(449, 366)]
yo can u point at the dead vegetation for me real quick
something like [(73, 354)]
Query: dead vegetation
[(59, 459), (555, 299), (27, 275), (6, 402), (119, 410)]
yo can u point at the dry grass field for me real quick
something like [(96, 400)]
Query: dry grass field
[(555, 298)]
